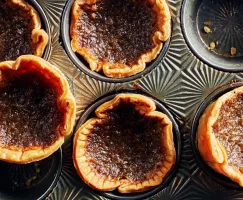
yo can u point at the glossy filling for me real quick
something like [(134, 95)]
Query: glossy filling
[(28, 110), (228, 130), (117, 30), (15, 32), (126, 145)]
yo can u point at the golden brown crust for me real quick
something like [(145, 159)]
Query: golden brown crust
[(213, 153), (65, 102), (39, 36), (119, 70), (145, 106)]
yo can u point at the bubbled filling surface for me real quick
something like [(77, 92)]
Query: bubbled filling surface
[(228, 129), (28, 110), (126, 145), (117, 31), (15, 32)]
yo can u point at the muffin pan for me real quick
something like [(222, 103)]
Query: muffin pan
[(180, 78)]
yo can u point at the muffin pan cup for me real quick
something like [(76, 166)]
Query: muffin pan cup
[(177, 141), (30, 181), (81, 64), (211, 28), (219, 178)]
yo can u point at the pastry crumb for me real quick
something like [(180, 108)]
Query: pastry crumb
[(207, 29), (233, 51), (212, 46), (208, 23)]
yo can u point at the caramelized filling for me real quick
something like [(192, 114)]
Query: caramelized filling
[(15, 32), (28, 110), (117, 30), (228, 130), (126, 145)]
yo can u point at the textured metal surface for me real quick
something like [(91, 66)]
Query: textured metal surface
[(180, 81)]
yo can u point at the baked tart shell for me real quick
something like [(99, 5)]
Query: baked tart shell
[(102, 183), (210, 148), (39, 37), (117, 69), (65, 102)]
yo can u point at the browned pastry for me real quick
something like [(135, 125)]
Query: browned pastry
[(220, 135), (128, 146), (37, 109), (119, 37), (20, 30)]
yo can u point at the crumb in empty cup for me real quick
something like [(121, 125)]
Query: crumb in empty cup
[(233, 51), (207, 29), (208, 23), (212, 46)]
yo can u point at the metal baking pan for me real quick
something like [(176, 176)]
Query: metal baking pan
[(180, 81)]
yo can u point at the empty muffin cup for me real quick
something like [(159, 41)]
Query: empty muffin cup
[(30, 181), (81, 63), (177, 142), (213, 29), (219, 178)]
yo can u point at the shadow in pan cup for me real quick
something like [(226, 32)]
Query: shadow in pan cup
[(225, 181), (45, 25), (84, 66), (213, 29), (177, 141), (30, 181)]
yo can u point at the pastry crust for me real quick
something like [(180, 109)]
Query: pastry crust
[(120, 70), (65, 102), (39, 36), (100, 182), (213, 153)]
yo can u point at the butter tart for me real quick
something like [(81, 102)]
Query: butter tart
[(220, 135), (119, 37), (128, 146), (37, 109), (20, 30)]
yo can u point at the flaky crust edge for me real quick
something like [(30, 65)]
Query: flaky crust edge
[(119, 70), (39, 36), (146, 106), (212, 152), (65, 102)]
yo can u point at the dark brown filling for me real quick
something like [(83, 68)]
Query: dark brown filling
[(15, 32), (126, 145), (118, 30), (228, 129), (29, 115)]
